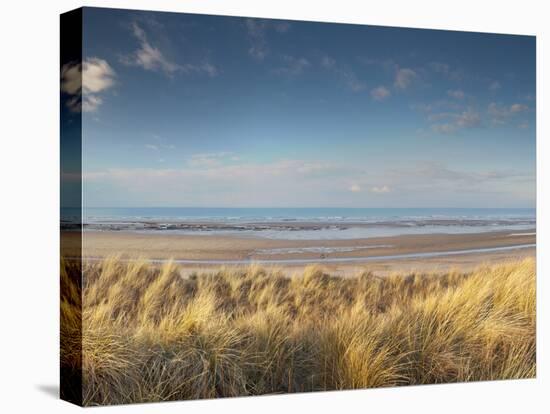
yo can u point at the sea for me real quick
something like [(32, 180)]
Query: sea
[(305, 223)]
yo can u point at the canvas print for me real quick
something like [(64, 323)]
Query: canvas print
[(256, 206)]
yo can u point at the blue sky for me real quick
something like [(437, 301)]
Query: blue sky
[(191, 110)]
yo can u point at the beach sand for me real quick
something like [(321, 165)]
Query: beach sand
[(166, 245)]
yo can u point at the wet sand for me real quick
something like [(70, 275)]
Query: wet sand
[(212, 247), (462, 263), (161, 246)]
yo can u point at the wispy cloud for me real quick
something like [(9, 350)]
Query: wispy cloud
[(90, 103), (429, 172), (500, 114), (211, 159), (469, 118), (292, 66), (257, 30), (151, 58), (516, 108), (380, 93), (148, 56), (380, 189), (494, 86), (328, 63), (213, 179), (446, 70), (450, 116), (456, 93), (282, 26), (387, 64), (216, 179), (344, 72), (160, 143), (446, 128), (404, 77), (256, 34)]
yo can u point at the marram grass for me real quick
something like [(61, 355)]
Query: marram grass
[(150, 334)]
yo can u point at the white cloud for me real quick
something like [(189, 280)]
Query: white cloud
[(152, 147), (404, 77), (501, 113), (380, 93), (97, 75), (88, 79), (93, 76), (150, 57), (355, 188), (71, 78), (456, 94), (381, 189)]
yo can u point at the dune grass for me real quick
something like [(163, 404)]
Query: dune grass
[(150, 334)]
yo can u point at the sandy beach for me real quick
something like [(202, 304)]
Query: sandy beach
[(380, 254)]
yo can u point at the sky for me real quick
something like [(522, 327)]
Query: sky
[(194, 110)]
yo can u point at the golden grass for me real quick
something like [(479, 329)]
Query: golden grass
[(149, 334)]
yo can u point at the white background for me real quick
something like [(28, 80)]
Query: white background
[(29, 191)]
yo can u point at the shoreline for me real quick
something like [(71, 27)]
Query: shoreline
[(314, 229)]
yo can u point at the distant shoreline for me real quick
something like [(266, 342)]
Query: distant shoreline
[(313, 229)]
